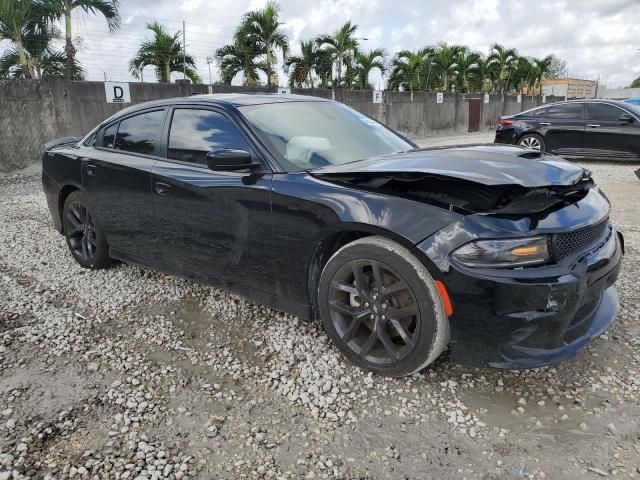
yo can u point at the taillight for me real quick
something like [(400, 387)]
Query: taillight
[(506, 121)]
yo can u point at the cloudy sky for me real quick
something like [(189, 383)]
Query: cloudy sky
[(597, 38)]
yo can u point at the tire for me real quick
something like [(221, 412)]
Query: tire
[(532, 141), (390, 327), (85, 238)]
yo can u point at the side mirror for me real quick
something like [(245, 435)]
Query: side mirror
[(230, 160), (625, 118), (403, 134)]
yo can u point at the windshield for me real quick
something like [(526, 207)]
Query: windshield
[(635, 108), (309, 135)]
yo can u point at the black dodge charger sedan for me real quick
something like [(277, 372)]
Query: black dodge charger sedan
[(577, 129), (502, 254)]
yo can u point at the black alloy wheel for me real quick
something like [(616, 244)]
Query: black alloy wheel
[(374, 311), (82, 231), (381, 307)]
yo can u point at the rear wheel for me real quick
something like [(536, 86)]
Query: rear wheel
[(84, 235), (381, 308), (532, 141)]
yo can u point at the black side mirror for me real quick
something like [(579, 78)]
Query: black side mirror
[(230, 160), (402, 134), (626, 118)]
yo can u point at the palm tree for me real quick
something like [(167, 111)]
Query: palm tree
[(342, 45), (263, 28), (523, 76), (501, 61), (365, 62), (301, 66), (444, 63), (62, 9), (324, 67), (17, 19), (241, 57), (410, 70), (41, 58), (542, 68), (468, 69), (165, 53)]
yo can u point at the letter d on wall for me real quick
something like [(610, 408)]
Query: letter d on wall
[(117, 92)]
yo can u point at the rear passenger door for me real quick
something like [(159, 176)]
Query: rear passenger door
[(117, 178), (563, 128), (612, 133), (213, 222)]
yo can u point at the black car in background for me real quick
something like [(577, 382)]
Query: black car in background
[(503, 254), (577, 129)]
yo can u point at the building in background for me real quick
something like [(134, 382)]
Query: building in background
[(570, 88)]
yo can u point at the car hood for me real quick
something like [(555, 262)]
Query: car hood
[(483, 164)]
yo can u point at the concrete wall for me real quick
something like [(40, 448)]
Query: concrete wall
[(618, 93), (32, 112)]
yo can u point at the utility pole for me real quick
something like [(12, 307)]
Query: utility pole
[(428, 76), (209, 62), (184, 51)]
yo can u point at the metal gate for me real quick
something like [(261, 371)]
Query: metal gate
[(474, 114)]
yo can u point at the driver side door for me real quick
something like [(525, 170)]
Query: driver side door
[(612, 133), (216, 223)]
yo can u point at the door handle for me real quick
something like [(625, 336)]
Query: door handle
[(162, 188), (545, 123), (91, 169), (593, 125)]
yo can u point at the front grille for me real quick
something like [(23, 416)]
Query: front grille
[(567, 243)]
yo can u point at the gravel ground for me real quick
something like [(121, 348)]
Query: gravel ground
[(128, 373)]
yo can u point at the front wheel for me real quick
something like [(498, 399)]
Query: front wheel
[(381, 307), (85, 238)]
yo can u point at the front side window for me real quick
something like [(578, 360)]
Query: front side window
[(604, 112), (568, 111), (309, 135), (109, 136), (194, 133), (140, 133)]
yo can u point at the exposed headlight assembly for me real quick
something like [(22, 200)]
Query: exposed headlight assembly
[(509, 253)]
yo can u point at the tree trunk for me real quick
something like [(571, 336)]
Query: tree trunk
[(269, 69), (340, 69), (69, 49), (23, 58), (167, 73)]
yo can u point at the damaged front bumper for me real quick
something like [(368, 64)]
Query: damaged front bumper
[(527, 318)]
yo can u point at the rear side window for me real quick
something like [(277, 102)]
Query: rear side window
[(604, 112), (568, 111), (139, 134), (194, 133), (109, 136)]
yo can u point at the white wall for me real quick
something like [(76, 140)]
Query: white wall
[(623, 93)]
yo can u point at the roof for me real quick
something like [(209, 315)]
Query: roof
[(221, 99), (579, 100), (241, 99)]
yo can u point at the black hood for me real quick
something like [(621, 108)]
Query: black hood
[(482, 164)]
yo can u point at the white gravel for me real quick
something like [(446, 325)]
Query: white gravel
[(128, 373)]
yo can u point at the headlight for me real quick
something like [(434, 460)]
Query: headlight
[(519, 252)]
